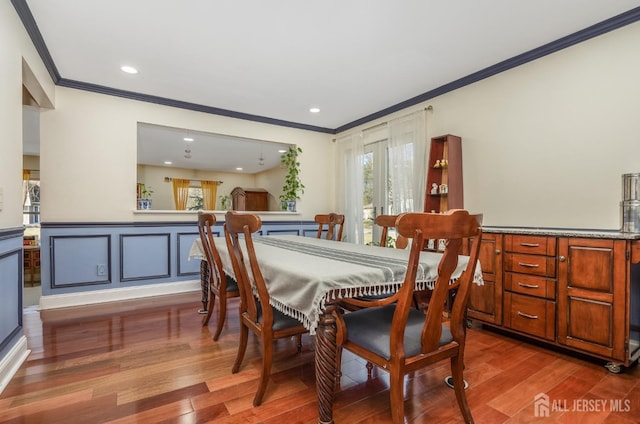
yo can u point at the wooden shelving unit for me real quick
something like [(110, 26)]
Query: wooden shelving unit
[(444, 175)]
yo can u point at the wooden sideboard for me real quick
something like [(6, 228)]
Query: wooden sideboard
[(575, 289)]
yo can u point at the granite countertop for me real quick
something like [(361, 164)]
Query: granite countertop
[(564, 232)]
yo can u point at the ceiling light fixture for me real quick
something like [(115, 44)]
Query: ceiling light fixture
[(188, 139), (168, 162), (314, 110), (239, 168), (128, 69), (261, 160)]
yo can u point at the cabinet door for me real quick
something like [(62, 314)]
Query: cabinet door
[(485, 302), (592, 279)]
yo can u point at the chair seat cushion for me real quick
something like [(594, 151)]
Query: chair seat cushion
[(371, 329), (280, 320), (232, 285)]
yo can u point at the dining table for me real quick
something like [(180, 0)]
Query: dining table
[(308, 277)]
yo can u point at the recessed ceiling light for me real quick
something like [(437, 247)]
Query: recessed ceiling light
[(314, 110), (188, 139), (129, 69), (168, 162), (282, 151), (239, 168)]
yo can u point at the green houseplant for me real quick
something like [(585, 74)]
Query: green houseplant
[(293, 187)]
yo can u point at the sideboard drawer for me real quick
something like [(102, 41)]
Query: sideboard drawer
[(530, 315), (535, 245), (530, 264), (531, 285)]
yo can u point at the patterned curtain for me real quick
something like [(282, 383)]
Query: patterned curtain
[(181, 193), (209, 190)]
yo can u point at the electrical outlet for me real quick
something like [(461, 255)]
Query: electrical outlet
[(102, 270)]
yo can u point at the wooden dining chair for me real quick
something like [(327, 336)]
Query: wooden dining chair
[(256, 313), (386, 222), (220, 285), (331, 220), (396, 337)]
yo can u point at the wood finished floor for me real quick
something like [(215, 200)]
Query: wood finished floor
[(151, 361)]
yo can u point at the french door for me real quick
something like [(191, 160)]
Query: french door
[(376, 193)]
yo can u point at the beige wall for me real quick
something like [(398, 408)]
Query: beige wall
[(545, 144), (88, 155), (15, 47)]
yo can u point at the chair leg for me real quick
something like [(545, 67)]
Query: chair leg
[(267, 358), (242, 347), (457, 366), (222, 314), (299, 342), (369, 369), (396, 381), (210, 306)]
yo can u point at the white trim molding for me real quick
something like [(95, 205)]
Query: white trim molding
[(12, 361), (117, 295)]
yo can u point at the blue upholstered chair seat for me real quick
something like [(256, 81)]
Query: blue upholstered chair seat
[(280, 320), (371, 328)]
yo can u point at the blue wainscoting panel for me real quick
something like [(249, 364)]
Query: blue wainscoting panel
[(145, 256), (134, 253), (80, 260), (186, 266), (11, 275)]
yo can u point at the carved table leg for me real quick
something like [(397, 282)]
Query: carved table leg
[(204, 285), (326, 364)]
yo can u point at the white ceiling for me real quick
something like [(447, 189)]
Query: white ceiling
[(214, 152), (276, 59)]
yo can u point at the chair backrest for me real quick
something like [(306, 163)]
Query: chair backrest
[(206, 222), (454, 226), (237, 230), (386, 222), (331, 220)]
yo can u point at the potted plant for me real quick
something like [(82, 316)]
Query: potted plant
[(224, 202), (293, 187), (144, 202)]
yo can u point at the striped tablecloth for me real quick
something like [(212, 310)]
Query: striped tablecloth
[(303, 273)]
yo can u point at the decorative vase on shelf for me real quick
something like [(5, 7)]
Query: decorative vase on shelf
[(144, 204)]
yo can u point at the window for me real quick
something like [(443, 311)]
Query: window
[(31, 205), (195, 199)]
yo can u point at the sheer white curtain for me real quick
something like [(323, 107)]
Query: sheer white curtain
[(350, 158), (407, 162)]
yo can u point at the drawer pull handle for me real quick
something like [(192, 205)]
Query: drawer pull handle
[(528, 265), (530, 244), (522, 314), (528, 286)]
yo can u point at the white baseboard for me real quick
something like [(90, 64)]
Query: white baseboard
[(115, 295), (11, 363)]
